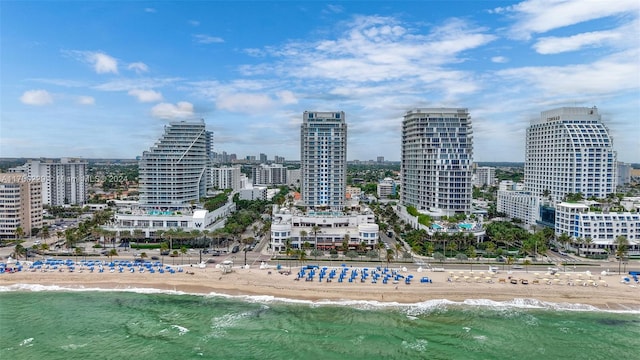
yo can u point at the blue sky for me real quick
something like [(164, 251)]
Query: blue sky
[(100, 79)]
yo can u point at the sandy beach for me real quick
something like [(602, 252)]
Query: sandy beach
[(609, 294)]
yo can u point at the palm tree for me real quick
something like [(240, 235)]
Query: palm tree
[(164, 249), (183, 250), (246, 242), (315, 229), (303, 236), (345, 242), (390, 256), (398, 247), (19, 232), (302, 256), (379, 247), (78, 252), (19, 251), (622, 244), (45, 233), (113, 252), (138, 234), (564, 239)]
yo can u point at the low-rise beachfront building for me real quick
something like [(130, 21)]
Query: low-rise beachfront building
[(519, 205), (129, 219), (581, 222), (330, 229)]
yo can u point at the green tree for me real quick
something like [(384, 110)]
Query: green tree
[(19, 251), (390, 255), (246, 242), (112, 253), (183, 251), (622, 246), (315, 229), (45, 233), (19, 232)]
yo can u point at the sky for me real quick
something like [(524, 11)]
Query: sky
[(101, 79)]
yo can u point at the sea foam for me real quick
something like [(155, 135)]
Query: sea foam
[(412, 309)]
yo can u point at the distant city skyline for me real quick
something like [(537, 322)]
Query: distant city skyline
[(101, 79)]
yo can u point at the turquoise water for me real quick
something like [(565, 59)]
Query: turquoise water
[(131, 325), (465, 226)]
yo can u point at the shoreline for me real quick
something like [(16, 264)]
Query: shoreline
[(609, 295)]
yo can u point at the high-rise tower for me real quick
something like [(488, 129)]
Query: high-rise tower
[(173, 173), (323, 159), (437, 156), (569, 150)]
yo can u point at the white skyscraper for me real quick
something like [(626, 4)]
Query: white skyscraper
[(569, 150), (173, 172), (323, 159), (437, 158)]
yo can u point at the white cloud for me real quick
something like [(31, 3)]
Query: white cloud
[(287, 97), (499, 59), (244, 102), (86, 100), (138, 67), (555, 45), (146, 95), (194, 22), (131, 84), (36, 97), (207, 39), (167, 111), (101, 62), (376, 49), (606, 76), (333, 9), (540, 16)]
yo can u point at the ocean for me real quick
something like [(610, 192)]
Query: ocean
[(38, 322)]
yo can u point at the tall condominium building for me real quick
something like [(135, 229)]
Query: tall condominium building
[(437, 158), (64, 181), (323, 159), (569, 150), (485, 175), (20, 204), (226, 177), (173, 173), (274, 174)]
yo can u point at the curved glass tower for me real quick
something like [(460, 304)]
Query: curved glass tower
[(173, 173), (569, 150)]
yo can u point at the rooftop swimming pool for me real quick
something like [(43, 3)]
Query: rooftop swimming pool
[(466, 226), (158, 212)]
